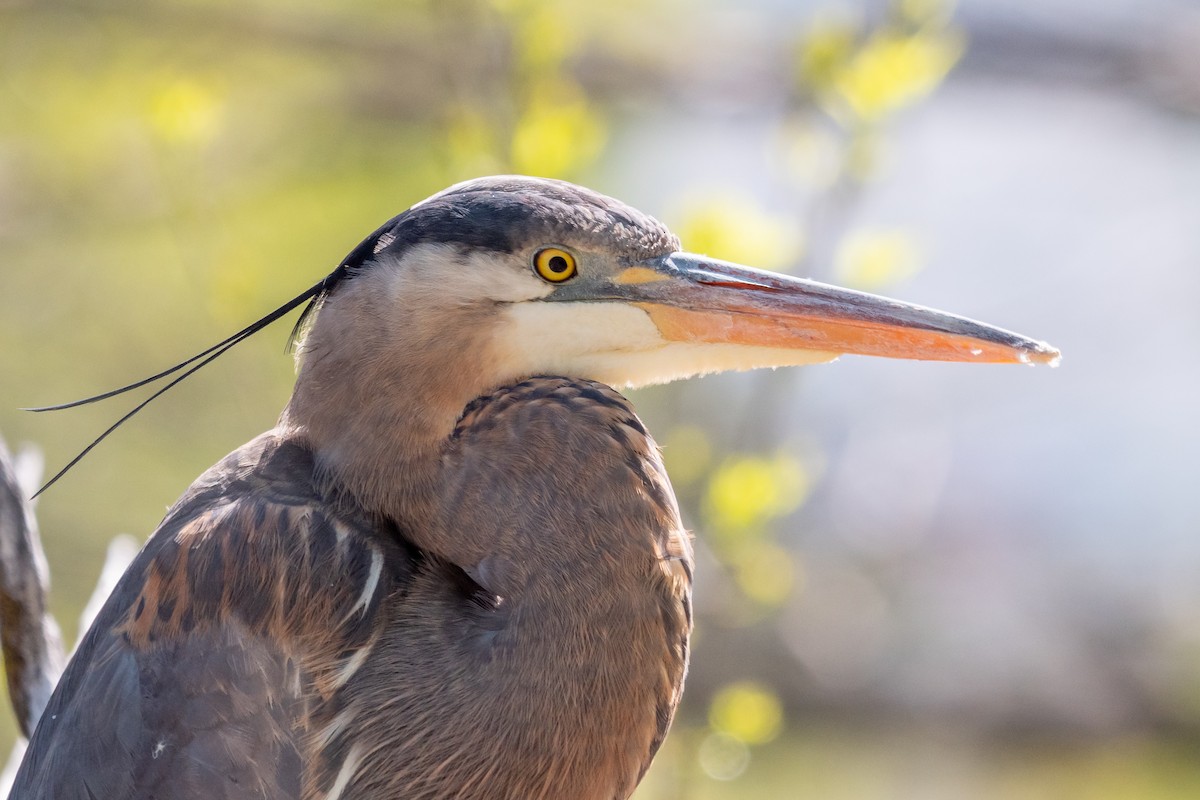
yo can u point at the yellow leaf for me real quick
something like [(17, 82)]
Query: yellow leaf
[(871, 260), (186, 112), (827, 45), (557, 133), (748, 711), (892, 71), (738, 229), (748, 491)]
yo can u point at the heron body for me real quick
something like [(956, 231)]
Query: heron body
[(456, 567)]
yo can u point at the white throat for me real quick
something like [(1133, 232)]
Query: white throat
[(620, 345)]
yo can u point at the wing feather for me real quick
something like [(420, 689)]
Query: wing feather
[(218, 653)]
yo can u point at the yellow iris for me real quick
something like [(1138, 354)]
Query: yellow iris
[(554, 264)]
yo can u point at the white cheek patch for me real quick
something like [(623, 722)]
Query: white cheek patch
[(620, 345), (440, 275)]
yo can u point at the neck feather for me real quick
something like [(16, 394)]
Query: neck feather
[(378, 392)]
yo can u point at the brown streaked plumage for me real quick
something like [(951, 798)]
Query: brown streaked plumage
[(456, 567)]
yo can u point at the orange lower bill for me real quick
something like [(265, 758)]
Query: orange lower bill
[(836, 334)]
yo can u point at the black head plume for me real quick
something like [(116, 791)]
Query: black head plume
[(312, 296)]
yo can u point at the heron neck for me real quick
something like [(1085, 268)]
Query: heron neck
[(378, 395)]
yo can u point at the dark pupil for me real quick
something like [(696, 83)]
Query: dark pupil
[(558, 265)]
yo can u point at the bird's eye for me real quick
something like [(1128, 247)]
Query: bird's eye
[(554, 264)]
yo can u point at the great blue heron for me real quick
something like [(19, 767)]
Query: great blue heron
[(455, 568)]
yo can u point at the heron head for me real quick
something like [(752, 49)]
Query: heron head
[(513, 276)]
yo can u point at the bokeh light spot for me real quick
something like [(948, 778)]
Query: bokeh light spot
[(765, 572), (723, 757), (738, 229), (186, 112), (872, 260), (747, 491), (748, 711)]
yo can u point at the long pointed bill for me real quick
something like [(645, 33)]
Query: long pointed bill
[(696, 299)]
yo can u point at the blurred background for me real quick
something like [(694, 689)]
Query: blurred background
[(916, 580)]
